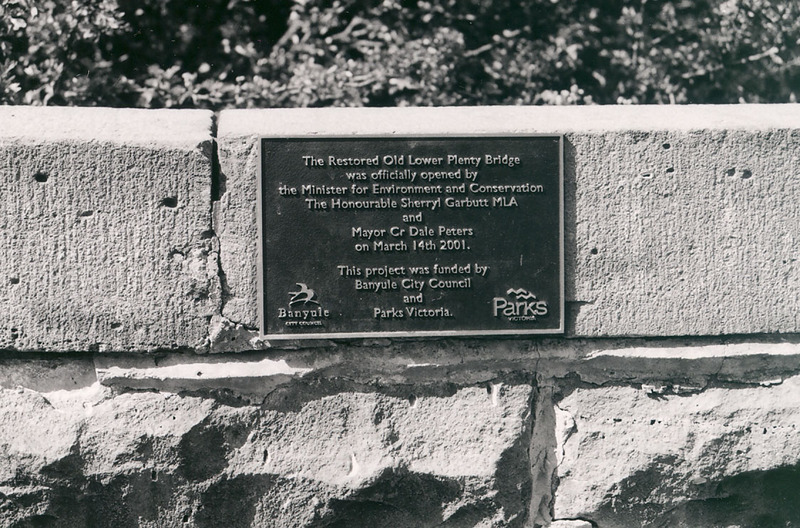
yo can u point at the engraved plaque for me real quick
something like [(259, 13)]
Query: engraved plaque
[(411, 236)]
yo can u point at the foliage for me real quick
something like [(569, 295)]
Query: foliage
[(263, 53), (50, 52)]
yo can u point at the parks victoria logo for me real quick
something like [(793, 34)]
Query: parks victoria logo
[(519, 305), (303, 308)]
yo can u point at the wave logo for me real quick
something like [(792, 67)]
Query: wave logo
[(523, 306)]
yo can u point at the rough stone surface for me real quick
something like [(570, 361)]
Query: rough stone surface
[(613, 432), (679, 221), (94, 456), (236, 225), (105, 229), (727, 456), (680, 233)]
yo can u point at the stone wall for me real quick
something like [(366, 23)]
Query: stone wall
[(136, 392)]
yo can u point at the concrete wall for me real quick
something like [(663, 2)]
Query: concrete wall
[(136, 391), (106, 229)]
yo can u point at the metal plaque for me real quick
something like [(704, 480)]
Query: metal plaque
[(411, 236)]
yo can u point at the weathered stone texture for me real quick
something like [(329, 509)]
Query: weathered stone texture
[(723, 457), (684, 232), (105, 229), (157, 459), (236, 224), (334, 437), (679, 221)]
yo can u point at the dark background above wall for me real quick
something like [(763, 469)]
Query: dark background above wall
[(282, 53)]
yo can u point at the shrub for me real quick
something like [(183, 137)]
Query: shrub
[(54, 52), (245, 53)]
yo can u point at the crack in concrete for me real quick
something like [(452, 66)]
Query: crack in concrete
[(217, 322)]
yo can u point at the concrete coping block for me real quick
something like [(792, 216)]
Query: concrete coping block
[(503, 119), (679, 220), (181, 129), (105, 229)]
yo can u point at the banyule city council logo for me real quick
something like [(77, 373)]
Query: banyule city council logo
[(304, 295), (519, 305), (304, 308)]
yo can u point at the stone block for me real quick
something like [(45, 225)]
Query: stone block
[(347, 458), (726, 456), (685, 232), (105, 229), (679, 220)]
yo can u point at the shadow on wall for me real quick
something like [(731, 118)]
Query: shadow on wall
[(397, 498), (758, 499), (572, 306)]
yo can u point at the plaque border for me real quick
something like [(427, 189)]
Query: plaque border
[(262, 320)]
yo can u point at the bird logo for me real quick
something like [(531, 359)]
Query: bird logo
[(305, 295)]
